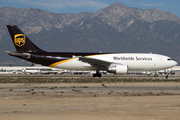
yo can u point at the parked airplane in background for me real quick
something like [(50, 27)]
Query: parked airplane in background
[(119, 63)]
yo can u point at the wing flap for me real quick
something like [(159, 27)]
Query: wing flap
[(95, 62)]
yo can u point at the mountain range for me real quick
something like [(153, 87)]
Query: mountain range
[(116, 28)]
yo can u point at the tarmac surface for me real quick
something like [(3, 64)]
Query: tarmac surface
[(108, 99)]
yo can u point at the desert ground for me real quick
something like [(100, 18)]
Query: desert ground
[(115, 100)]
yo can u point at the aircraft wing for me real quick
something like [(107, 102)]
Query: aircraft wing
[(95, 62)]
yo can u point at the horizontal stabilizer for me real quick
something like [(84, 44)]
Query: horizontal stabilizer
[(21, 55)]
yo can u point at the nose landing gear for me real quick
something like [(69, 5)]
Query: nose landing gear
[(156, 75), (166, 75)]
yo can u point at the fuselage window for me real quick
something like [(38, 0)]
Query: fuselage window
[(169, 59)]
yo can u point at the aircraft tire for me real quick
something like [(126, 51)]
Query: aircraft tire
[(94, 75), (97, 75), (155, 75), (166, 76)]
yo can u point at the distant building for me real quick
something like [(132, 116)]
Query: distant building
[(29, 70)]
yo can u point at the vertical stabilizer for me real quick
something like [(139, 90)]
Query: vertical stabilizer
[(21, 41)]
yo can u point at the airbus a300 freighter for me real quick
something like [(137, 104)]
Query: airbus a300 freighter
[(118, 63)]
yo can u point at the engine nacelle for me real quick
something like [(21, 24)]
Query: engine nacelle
[(118, 69)]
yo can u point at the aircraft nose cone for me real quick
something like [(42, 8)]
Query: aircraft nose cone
[(175, 63)]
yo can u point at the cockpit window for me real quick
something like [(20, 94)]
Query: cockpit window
[(169, 59)]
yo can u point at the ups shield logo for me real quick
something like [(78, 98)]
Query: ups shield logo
[(19, 39)]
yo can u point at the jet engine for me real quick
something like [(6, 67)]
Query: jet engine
[(118, 69)]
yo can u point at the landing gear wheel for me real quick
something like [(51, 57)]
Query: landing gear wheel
[(97, 75), (166, 76), (155, 75), (94, 75)]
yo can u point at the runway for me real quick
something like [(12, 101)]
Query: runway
[(66, 97), (90, 89), (86, 85)]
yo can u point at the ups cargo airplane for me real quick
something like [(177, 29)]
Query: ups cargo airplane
[(118, 63)]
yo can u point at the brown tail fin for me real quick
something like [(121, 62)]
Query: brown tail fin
[(21, 41)]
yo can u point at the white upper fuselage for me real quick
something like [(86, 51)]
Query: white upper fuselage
[(134, 61)]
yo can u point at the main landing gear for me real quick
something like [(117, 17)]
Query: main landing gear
[(97, 74)]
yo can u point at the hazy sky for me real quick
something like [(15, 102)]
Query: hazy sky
[(76, 6)]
